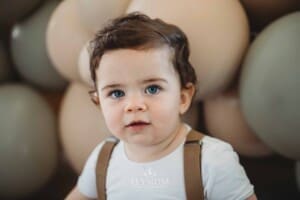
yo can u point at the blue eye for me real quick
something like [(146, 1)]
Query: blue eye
[(116, 94), (152, 89)]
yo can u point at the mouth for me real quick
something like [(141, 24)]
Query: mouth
[(137, 124)]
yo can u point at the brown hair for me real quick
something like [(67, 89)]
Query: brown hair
[(138, 31)]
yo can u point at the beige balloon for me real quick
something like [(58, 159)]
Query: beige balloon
[(95, 13), (224, 120), (218, 33), (65, 37), (84, 66), (82, 125)]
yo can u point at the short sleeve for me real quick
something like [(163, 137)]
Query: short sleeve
[(87, 180), (223, 175)]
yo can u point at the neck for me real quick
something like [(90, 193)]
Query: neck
[(139, 153)]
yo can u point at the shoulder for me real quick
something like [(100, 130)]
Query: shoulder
[(217, 155), (222, 173), (213, 147), (87, 180)]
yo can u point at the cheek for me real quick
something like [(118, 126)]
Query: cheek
[(167, 108), (110, 114)]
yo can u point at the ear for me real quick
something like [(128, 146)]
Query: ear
[(186, 97), (94, 97)]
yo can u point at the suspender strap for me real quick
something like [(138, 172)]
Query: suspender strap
[(102, 165), (192, 166)]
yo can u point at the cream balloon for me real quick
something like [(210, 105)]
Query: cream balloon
[(82, 126), (95, 13), (65, 36), (84, 66), (218, 33), (224, 120)]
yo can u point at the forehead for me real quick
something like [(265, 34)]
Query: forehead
[(136, 62)]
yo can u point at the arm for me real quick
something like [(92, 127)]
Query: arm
[(252, 197), (76, 195)]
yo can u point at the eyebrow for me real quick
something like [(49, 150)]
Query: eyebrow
[(150, 80), (111, 86)]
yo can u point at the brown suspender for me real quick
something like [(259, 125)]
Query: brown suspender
[(102, 165), (192, 166)]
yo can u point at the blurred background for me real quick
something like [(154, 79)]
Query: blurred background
[(246, 54)]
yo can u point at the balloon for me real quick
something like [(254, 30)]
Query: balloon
[(225, 120), (82, 125), (270, 86), (84, 67), (213, 27), (65, 37), (29, 50), (28, 141), (95, 13), (263, 12), (13, 10)]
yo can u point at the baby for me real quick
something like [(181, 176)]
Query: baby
[(144, 82)]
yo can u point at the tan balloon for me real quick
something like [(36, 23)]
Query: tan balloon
[(224, 120), (95, 13), (84, 66), (82, 126), (65, 37), (218, 32)]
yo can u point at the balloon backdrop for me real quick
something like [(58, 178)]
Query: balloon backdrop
[(218, 33), (29, 50), (28, 141), (82, 126), (95, 13), (5, 68), (84, 66), (225, 120), (298, 174), (13, 10), (262, 12), (191, 117), (65, 38), (270, 86)]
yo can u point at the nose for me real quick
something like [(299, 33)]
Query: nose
[(135, 103)]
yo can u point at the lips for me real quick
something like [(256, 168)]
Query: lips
[(137, 123)]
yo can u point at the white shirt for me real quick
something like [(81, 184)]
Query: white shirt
[(222, 176)]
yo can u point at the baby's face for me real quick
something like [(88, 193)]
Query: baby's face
[(140, 95)]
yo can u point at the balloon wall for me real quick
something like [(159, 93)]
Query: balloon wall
[(246, 54)]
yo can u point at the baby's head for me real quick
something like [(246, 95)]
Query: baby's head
[(139, 32), (143, 79)]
